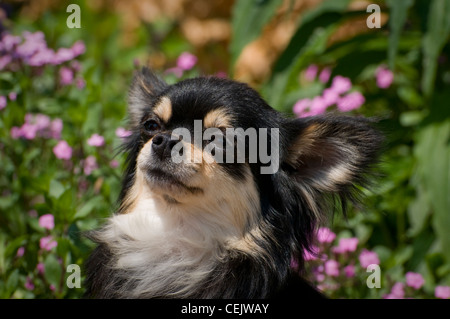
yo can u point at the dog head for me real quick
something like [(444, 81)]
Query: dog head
[(213, 149)]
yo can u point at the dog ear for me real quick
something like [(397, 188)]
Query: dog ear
[(144, 89), (331, 155)]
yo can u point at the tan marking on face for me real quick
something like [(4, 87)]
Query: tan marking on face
[(164, 109), (217, 118)]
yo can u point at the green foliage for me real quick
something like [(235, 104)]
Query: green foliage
[(405, 219)]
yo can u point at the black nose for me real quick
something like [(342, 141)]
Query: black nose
[(162, 145)]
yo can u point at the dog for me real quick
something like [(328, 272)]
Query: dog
[(211, 228)]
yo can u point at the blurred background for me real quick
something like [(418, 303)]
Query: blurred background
[(64, 76)]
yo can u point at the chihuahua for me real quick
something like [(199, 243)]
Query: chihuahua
[(222, 193)]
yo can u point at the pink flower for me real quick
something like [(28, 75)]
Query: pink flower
[(332, 268), (56, 127), (310, 255), (34, 42), (52, 287), (397, 292), (301, 106), (350, 102), (12, 96), (114, 164), (311, 72), (80, 83), (325, 235), (318, 273), (28, 131), (221, 74), (75, 65), (41, 121), (78, 48), (90, 164), (442, 292), (4, 61), (96, 140), (384, 77), (122, 133), (65, 76), (62, 150), (330, 97), (40, 268), (318, 106), (3, 102), (29, 284), (20, 252), (414, 280), (16, 132), (47, 243), (178, 72), (9, 41), (47, 221), (63, 55), (346, 245), (42, 57), (186, 61), (324, 75), (349, 271), (341, 84), (367, 258)]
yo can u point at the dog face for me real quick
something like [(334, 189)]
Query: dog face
[(229, 186)]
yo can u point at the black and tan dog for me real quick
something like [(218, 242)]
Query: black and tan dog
[(222, 229)]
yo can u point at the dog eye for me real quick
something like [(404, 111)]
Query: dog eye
[(151, 126)]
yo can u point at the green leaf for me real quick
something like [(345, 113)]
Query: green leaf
[(12, 247), (433, 167), (438, 31), (412, 118), (56, 189), (87, 208), (13, 281), (248, 19), (418, 211), (397, 18), (53, 270)]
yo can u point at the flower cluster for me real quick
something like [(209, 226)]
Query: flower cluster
[(38, 125), (46, 244), (31, 49), (335, 266), (413, 286), (339, 94)]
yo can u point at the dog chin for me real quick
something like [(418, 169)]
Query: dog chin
[(168, 184)]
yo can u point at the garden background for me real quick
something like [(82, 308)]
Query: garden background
[(62, 117)]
